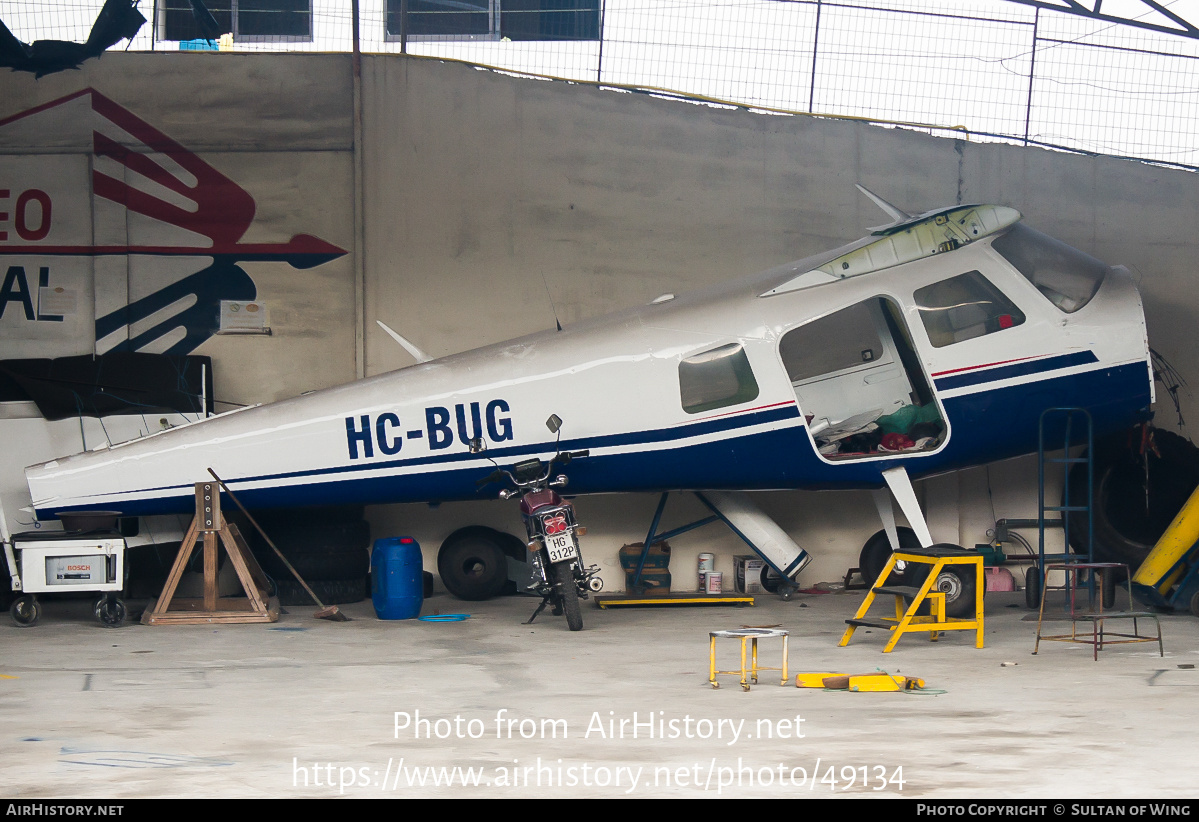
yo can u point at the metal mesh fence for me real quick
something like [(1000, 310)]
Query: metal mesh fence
[(989, 69)]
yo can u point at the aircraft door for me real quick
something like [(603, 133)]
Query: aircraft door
[(859, 383)]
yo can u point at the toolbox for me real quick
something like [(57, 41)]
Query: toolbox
[(40, 563)]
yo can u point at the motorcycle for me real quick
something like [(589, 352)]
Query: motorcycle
[(559, 576)]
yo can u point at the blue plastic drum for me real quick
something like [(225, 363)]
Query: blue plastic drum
[(397, 584)]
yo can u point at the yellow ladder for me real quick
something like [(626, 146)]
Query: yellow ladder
[(906, 619)]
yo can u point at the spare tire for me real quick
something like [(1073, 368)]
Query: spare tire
[(1129, 522), (152, 562), (472, 563), (328, 591), (273, 518), (326, 551)]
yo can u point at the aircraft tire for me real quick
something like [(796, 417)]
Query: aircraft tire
[(957, 585), (959, 588), (513, 546), (877, 551), (472, 563), (195, 564), (329, 551), (151, 562), (273, 518), (1124, 530)]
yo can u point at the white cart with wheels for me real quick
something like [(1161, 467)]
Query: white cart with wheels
[(49, 563)]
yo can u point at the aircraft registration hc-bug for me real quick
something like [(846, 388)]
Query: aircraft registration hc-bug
[(932, 344)]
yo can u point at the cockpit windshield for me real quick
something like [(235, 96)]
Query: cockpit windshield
[(1066, 276)]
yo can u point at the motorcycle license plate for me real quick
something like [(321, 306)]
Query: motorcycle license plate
[(561, 547)]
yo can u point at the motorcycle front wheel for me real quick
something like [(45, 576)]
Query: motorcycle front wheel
[(568, 595)]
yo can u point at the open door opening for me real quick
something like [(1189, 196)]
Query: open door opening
[(859, 384)]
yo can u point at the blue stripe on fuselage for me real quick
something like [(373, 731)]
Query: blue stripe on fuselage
[(1021, 369), (986, 425), (178, 498)]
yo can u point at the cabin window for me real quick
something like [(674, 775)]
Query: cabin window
[(1066, 276), (716, 378), (964, 307), (859, 383)]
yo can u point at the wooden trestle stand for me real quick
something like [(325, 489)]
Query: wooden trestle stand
[(212, 528)]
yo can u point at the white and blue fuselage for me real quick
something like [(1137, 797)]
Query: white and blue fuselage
[(963, 320)]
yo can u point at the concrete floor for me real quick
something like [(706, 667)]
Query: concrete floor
[(308, 708)]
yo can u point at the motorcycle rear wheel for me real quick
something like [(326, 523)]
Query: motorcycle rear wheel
[(568, 595)]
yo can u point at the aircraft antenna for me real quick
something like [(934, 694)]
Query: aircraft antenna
[(898, 215), (553, 308), (418, 355)]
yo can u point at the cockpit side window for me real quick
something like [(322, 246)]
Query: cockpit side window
[(715, 378), (964, 307), (1066, 276)]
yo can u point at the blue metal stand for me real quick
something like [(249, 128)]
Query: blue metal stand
[(1067, 422)]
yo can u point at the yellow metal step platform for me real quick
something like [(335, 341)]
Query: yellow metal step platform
[(909, 599)]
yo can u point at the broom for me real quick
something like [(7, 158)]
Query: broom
[(331, 613)]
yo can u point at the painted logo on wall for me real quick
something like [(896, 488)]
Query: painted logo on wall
[(131, 247)]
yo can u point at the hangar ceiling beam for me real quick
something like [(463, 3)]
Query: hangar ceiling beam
[(1146, 12)]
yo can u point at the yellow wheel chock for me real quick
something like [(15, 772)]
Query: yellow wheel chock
[(878, 681)]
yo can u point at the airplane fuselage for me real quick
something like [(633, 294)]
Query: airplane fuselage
[(769, 383)]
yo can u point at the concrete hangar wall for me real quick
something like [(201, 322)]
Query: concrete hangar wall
[(469, 206)]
